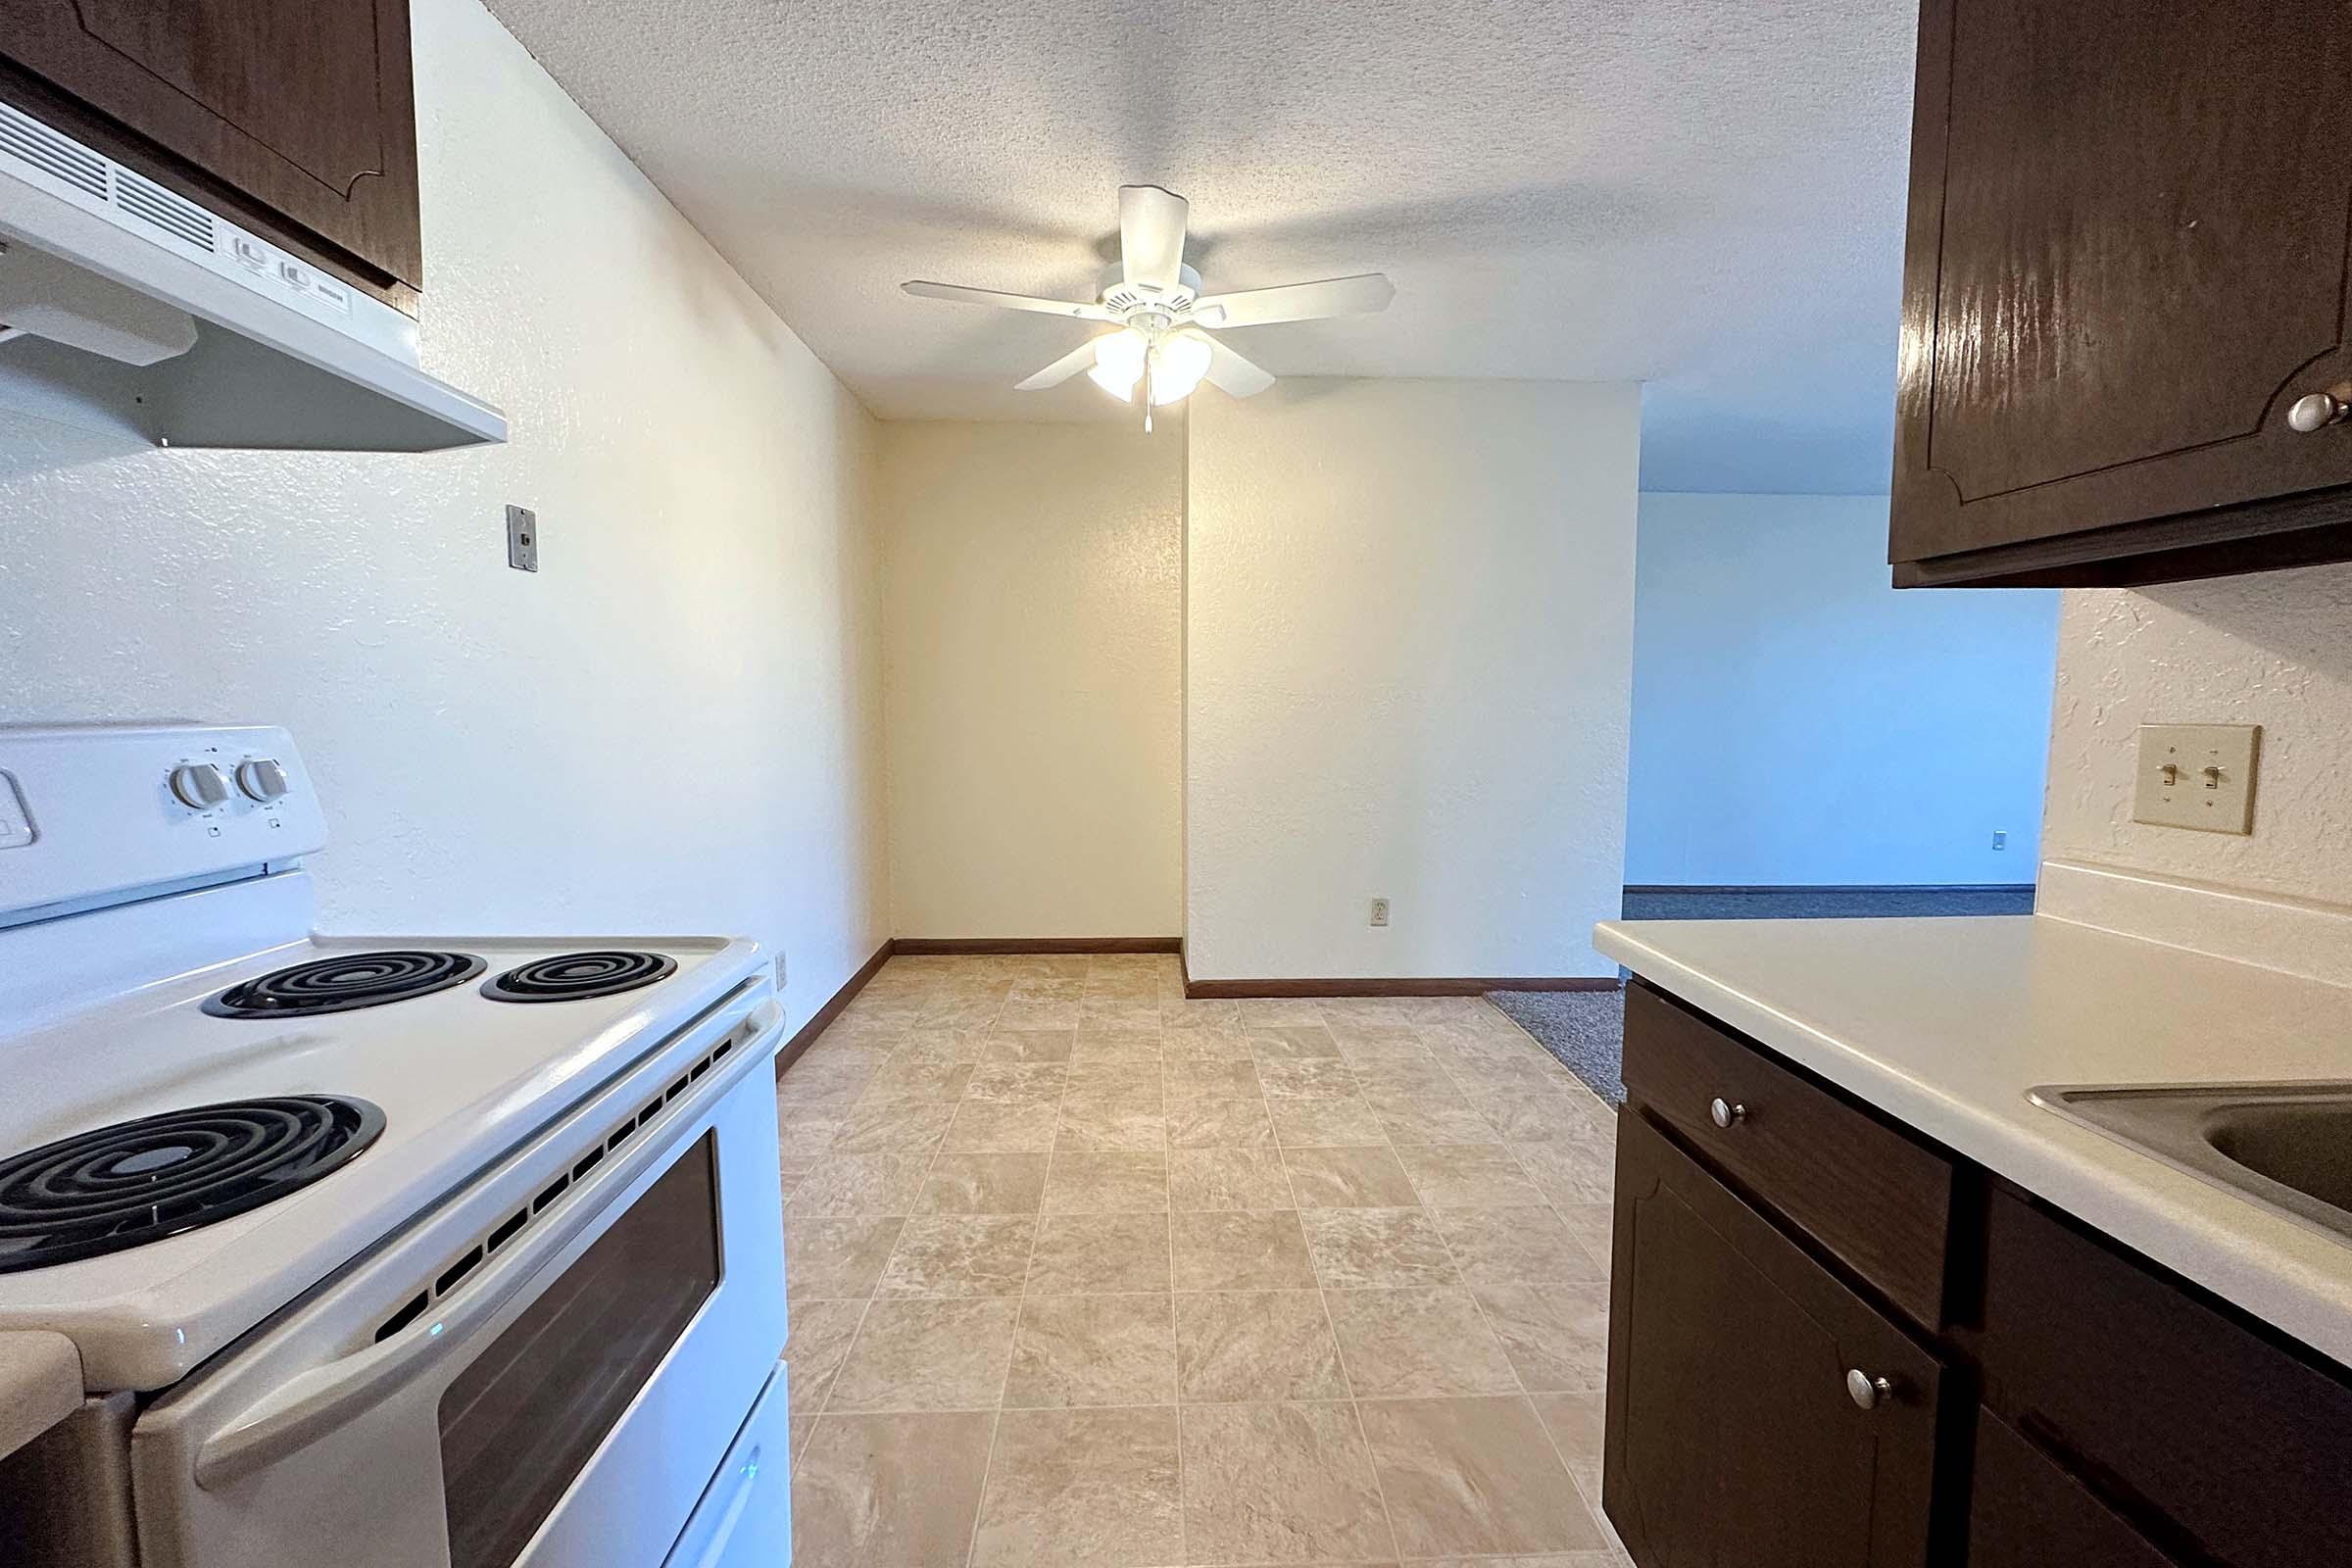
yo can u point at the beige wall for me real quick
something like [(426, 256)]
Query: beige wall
[(1031, 642), (1408, 627), (2275, 649), (674, 726)]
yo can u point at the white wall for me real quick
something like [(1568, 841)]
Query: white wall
[(1033, 621), (1408, 647), (674, 725), (2275, 649), (1796, 720)]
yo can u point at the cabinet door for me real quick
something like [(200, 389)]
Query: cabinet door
[(2127, 259), (2026, 1513), (1733, 1436), (304, 106)]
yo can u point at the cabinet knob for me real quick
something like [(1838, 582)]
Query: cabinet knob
[(1868, 1393), (2315, 411), (1726, 1113)]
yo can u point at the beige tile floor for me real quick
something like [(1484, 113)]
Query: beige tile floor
[(1084, 1275)]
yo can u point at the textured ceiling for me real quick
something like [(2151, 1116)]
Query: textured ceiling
[(1704, 195)]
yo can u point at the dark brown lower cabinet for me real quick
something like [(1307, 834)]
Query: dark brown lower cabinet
[(1734, 1436), (2024, 1512)]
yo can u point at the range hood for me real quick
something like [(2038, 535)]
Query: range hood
[(127, 309)]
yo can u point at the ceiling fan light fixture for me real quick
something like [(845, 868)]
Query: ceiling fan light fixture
[(1118, 362), (1159, 313), (1177, 365)]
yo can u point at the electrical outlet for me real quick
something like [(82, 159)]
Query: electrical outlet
[(1380, 912), (2001, 838), (779, 970), (2197, 776), (523, 539)]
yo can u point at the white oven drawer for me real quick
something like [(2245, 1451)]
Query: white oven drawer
[(566, 1406), (745, 1519)]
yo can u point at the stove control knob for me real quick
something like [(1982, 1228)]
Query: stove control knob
[(263, 778), (200, 786)]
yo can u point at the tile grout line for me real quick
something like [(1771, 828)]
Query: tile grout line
[(1012, 1345), (1355, 1408), (833, 1383)]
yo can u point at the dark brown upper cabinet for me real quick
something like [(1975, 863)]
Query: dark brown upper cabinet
[(305, 109), (2124, 293)]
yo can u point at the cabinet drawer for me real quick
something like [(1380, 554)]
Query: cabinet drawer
[(1878, 1200), (2024, 1512), (1733, 1435), (2224, 1440)]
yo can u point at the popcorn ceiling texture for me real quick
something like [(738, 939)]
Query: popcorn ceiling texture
[(1701, 196), (2275, 649)]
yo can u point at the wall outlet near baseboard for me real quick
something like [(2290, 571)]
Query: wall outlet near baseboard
[(1380, 912), (2001, 838)]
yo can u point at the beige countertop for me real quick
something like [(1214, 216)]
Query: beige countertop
[(1946, 1024), (41, 1385)]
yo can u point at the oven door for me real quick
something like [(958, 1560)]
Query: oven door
[(564, 1403)]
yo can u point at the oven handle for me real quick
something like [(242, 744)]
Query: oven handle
[(307, 1406)]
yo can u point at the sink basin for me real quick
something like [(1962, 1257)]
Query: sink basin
[(2306, 1147), (2287, 1147)]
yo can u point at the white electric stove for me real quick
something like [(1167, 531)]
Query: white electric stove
[(456, 1251)]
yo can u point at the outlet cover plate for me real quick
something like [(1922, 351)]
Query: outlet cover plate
[(523, 539), (2189, 796)]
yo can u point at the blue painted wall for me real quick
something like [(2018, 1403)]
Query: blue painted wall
[(1796, 720)]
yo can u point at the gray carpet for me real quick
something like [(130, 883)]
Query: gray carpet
[(1586, 1029)]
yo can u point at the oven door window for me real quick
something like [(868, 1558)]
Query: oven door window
[(521, 1420)]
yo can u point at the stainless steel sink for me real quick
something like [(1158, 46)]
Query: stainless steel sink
[(2285, 1146)]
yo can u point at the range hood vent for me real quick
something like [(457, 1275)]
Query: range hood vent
[(127, 309)]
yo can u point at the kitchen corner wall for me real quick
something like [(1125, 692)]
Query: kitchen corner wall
[(674, 726), (1408, 652), (1033, 618), (2275, 649)]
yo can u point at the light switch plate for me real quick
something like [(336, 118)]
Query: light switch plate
[(2197, 776)]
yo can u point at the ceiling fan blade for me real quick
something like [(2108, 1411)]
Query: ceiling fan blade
[(1011, 302), (1061, 369), (1152, 235), (1229, 372), (1296, 301)]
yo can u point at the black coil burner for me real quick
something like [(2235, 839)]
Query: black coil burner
[(573, 976), (343, 982), (139, 1181)]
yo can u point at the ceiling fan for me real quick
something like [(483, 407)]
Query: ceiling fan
[(1161, 350)]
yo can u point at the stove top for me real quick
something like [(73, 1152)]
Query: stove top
[(135, 1182), (343, 982), (459, 1079), (205, 1111)]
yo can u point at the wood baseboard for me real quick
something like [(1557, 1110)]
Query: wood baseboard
[(1411, 986), (982, 945), (806, 1036), (1198, 990)]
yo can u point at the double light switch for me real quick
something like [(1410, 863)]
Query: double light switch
[(2197, 776)]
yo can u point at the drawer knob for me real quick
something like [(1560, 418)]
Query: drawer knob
[(1726, 1113), (2315, 411), (1868, 1393)]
